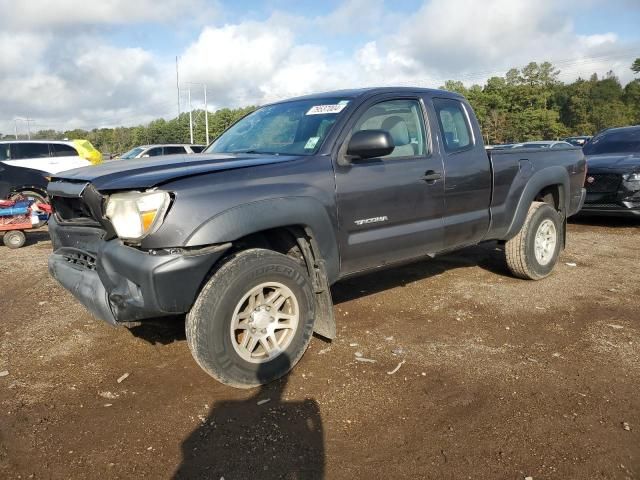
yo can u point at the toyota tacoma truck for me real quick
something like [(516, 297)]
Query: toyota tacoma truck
[(247, 238)]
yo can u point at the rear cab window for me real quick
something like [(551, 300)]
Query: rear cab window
[(454, 125)]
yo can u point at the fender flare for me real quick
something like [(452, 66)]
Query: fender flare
[(547, 177), (243, 220)]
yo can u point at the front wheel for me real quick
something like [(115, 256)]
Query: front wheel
[(533, 252), (253, 320)]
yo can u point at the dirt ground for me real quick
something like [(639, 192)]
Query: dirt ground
[(498, 378)]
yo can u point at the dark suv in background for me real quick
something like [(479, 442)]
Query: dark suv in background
[(613, 179)]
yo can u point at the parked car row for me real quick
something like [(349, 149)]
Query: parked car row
[(554, 144), (158, 150), (613, 179), (613, 162), (27, 165)]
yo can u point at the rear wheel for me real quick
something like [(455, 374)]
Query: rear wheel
[(14, 239), (533, 252), (253, 320)]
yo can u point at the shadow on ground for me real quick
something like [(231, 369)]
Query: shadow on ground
[(262, 436)]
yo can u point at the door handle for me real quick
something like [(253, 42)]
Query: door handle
[(431, 176)]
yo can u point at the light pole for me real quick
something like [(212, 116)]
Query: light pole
[(206, 110), (190, 116)]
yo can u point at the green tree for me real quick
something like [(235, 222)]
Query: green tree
[(635, 66)]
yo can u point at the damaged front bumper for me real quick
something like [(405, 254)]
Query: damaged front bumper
[(118, 283)]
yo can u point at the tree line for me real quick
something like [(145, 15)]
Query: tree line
[(525, 104)]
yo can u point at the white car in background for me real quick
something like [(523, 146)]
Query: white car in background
[(160, 150), (49, 156)]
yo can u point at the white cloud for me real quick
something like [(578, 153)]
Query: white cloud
[(65, 73), (67, 13)]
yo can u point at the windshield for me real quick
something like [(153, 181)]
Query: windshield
[(620, 141), (290, 128), (133, 153)]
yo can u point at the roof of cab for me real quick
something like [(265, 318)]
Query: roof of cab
[(362, 92)]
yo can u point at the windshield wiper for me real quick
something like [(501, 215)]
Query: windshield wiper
[(255, 151)]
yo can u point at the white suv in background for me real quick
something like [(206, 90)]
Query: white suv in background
[(45, 155), (161, 149)]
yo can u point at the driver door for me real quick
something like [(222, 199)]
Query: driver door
[(390, 208)]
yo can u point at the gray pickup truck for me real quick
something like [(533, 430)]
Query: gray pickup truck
[(246, 238)]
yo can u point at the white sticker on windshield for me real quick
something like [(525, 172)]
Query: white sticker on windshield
[(311, 143), (325, 109)]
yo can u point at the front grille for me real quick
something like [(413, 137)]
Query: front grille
[(80, 259), (72, 209), (602, 182)]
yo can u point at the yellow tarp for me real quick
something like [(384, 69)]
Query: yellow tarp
[(88, 151)]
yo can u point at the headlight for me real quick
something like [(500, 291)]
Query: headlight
[(134, 215), (633, 177)]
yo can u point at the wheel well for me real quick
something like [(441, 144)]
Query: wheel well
[(37, 190), (282, 240), (550, 195)]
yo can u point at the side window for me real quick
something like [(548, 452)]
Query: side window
[(403, 120), (197, 148), (62, 150), (4, 151), (153, 152), (456, 133), (173, 150), (21, 151)]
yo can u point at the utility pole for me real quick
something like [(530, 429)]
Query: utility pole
[(206, 113), (190, 117), (178, 86), (27, 121)]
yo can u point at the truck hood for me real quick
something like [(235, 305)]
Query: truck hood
[(614, 163), (150, 172)]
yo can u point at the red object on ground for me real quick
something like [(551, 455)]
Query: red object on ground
[(18, 222)]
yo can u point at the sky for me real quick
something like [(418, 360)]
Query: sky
[(89, 64)]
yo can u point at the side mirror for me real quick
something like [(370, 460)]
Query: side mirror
[(370, 144)]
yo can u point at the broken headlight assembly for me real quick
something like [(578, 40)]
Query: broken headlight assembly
[(134, 215)]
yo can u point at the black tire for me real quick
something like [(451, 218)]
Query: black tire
[(208, 324), (520, 250), (14, 239), (31, 195)]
